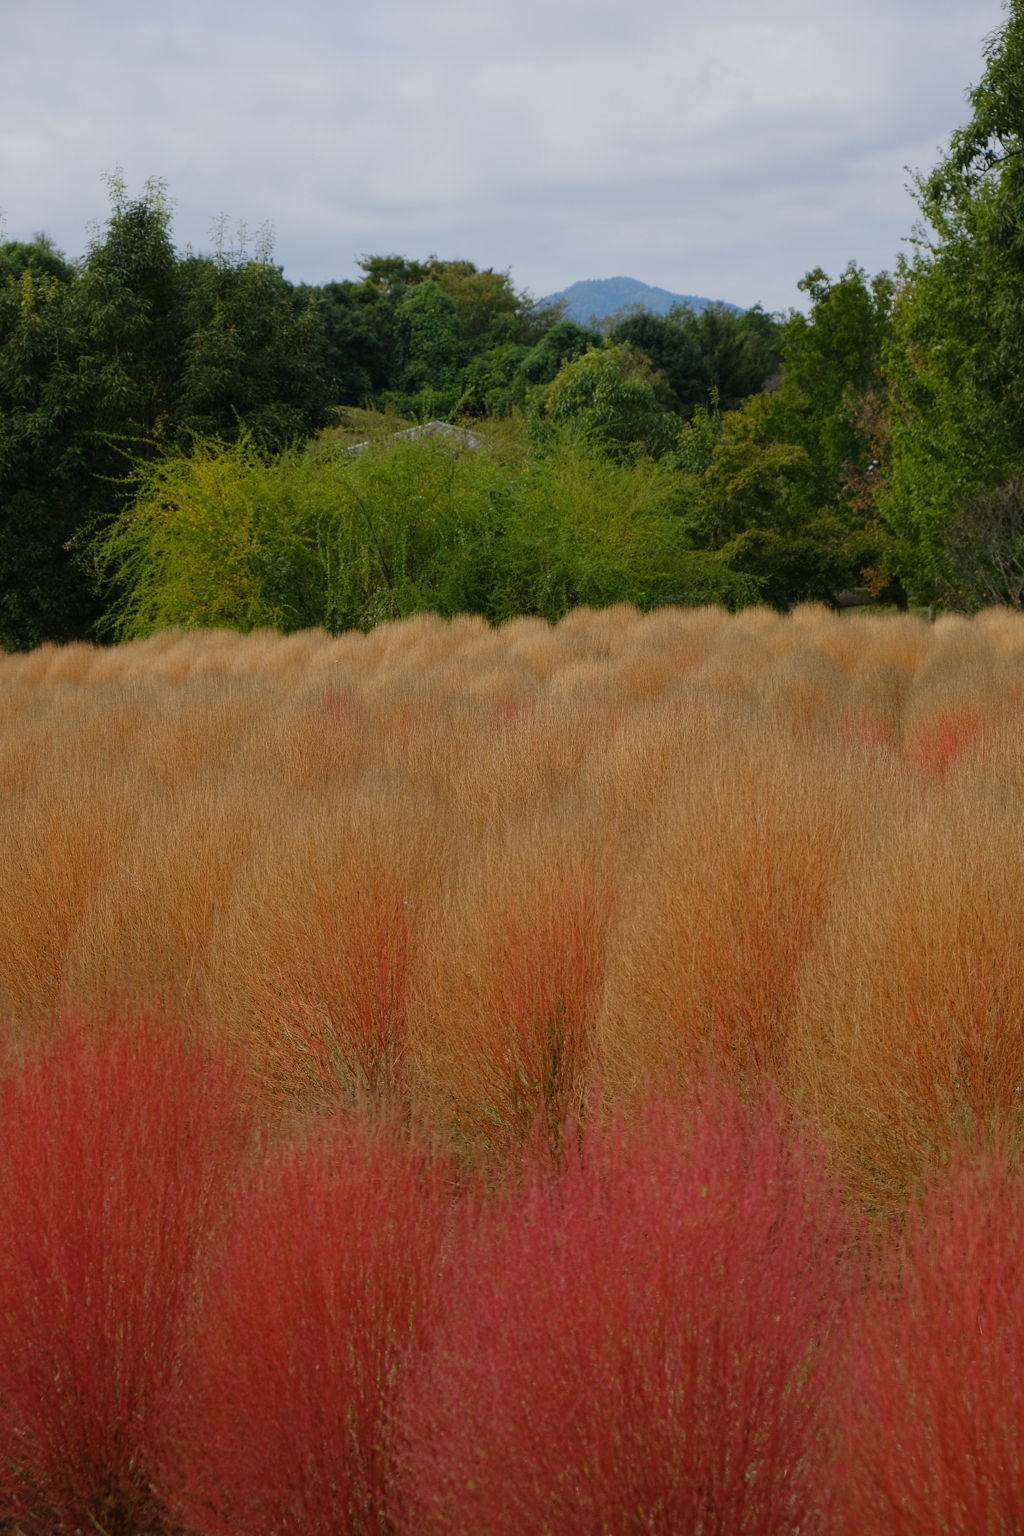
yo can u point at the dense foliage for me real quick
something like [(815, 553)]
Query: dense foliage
[(953, 359), (783, 487), (127, 354), (438, 338), (136, 354), (232, 536)]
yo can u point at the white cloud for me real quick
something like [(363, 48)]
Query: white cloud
[(719, 150)]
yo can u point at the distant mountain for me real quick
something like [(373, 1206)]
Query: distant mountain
[(598, 297)]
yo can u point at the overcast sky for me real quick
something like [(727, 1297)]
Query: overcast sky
[(715, 149)]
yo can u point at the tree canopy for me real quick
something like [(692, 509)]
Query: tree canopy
[(128, 353), (783, 487), (613, 396), (953, 360)]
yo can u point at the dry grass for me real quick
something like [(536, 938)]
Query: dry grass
[(475, 873)]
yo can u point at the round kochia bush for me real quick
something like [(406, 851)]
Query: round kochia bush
[(642, 1345), (934, 1406), (117, 1149), (324, 1287)]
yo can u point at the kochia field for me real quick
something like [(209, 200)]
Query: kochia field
[(515, 1080)]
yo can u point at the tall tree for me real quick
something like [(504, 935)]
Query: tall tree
[(355, 359), (672, 349), (252, 359), (431, 339), (86, 366), (713, 349), (38, 255), (783, 487), (133, 350), (954, 359)]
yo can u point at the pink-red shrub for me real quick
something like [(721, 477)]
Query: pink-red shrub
[(114, 1151), (935, 1405), (637, 1346), (327, 1280)]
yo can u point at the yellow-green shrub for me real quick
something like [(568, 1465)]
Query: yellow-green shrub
[(231, 537)]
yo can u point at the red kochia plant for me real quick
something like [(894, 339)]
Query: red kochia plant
[(114, 1149), (935, 1407), (637, 1346), (326, 1282)]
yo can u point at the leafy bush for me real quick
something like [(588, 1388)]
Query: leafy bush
[(223, 538), (231, 537), (613, 396)]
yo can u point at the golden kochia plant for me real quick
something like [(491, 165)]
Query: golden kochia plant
[(317, 979), (510, 984), (744, 849), (909, 1028)]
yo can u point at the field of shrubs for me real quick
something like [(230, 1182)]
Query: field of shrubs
[(536, 1079)]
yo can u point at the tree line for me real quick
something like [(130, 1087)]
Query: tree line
[(875, 444)]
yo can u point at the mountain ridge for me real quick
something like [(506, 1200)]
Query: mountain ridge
[(596, 298)]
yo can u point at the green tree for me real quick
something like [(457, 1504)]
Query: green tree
[(783, 488), (354, 358), (132, 354), (251, 359), (831, 365), (713, 349), (513, 375), (953, 360), (488, 306), (564, 342), (494, 383), (673, 351), (436, 338), (759, 512), (431, 338), (82, 363), (613, 398), (38, 255)]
